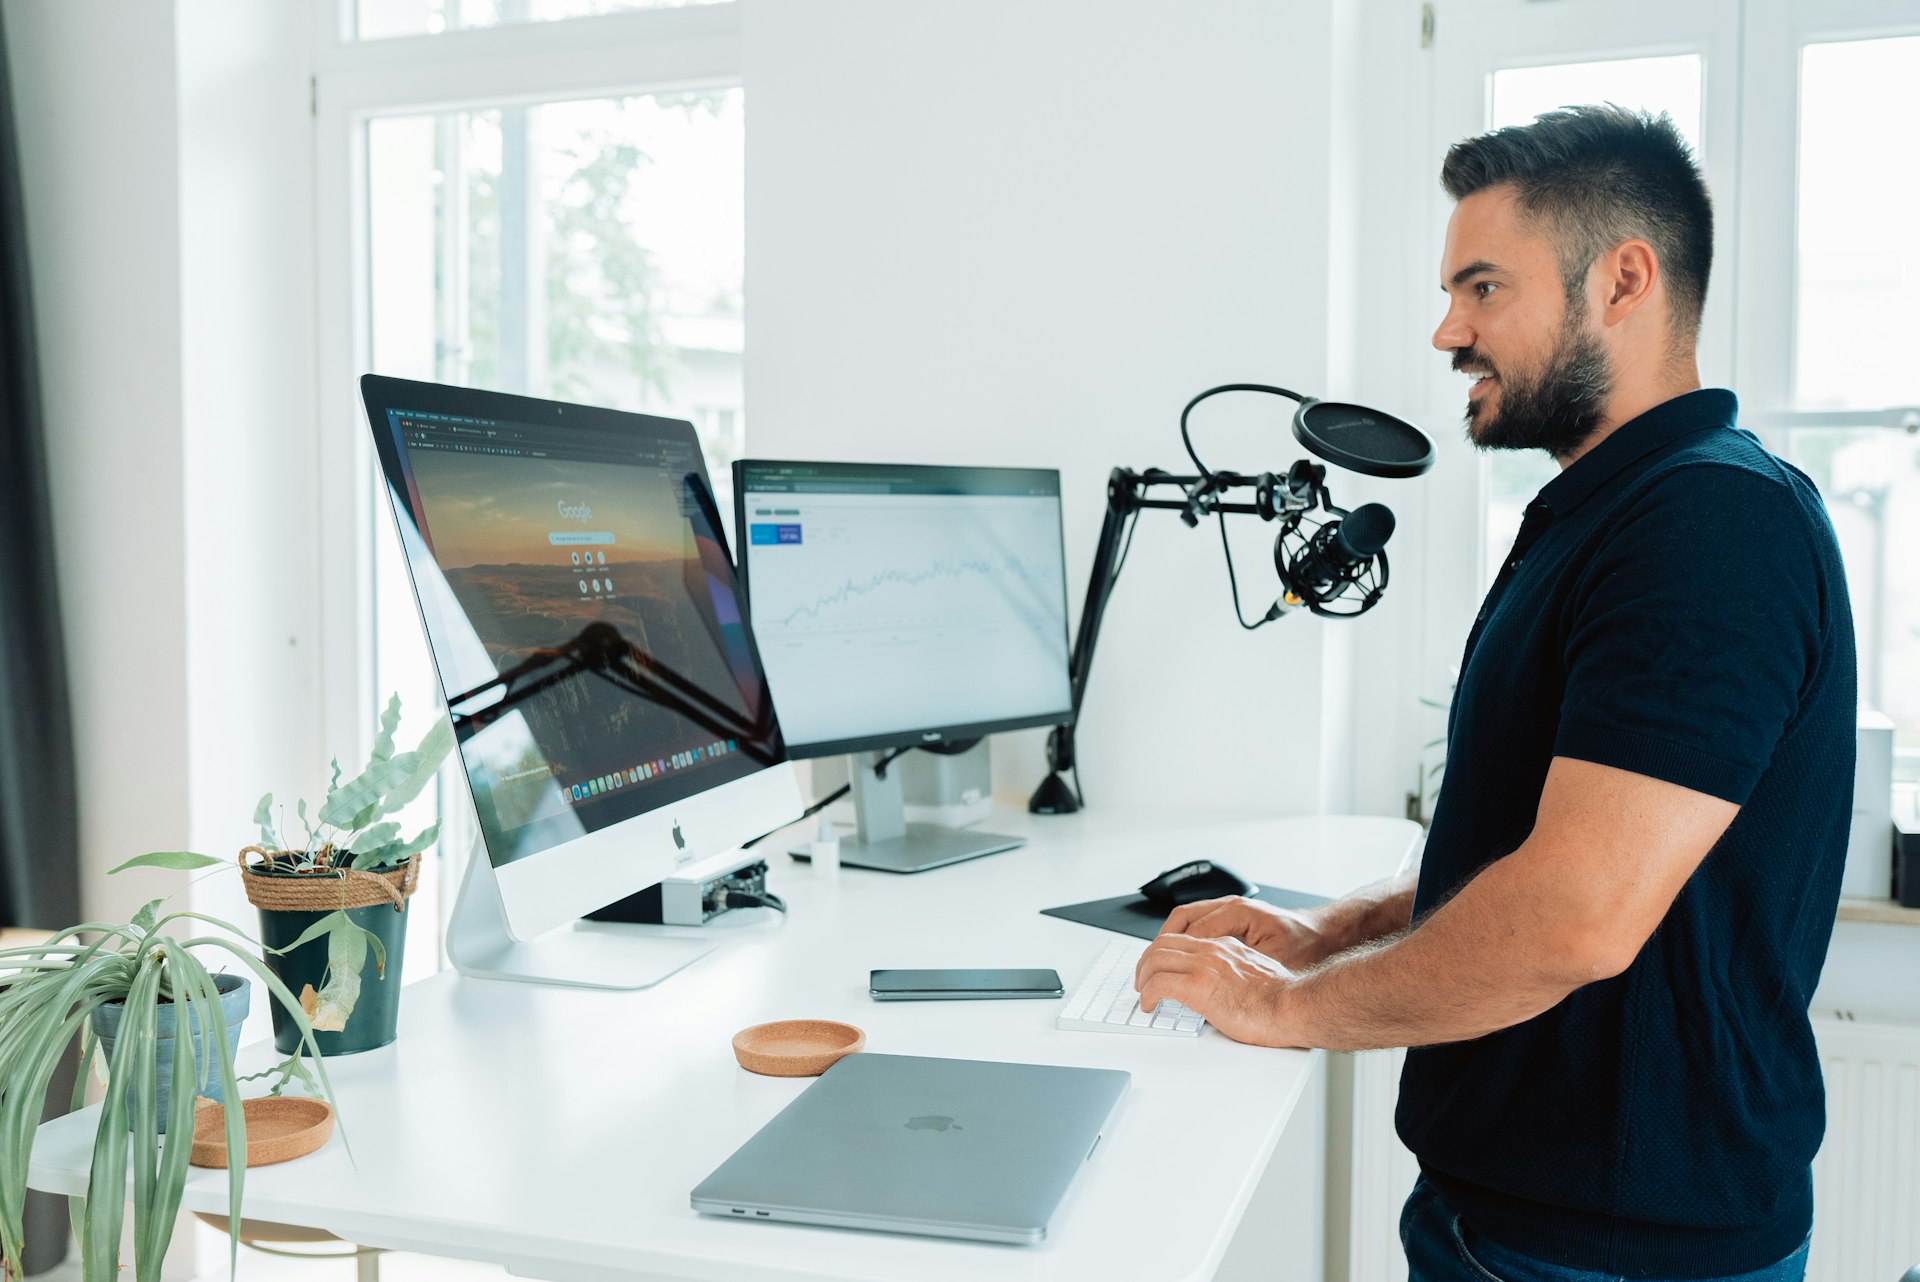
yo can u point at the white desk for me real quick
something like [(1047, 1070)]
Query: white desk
[(558, 1131)]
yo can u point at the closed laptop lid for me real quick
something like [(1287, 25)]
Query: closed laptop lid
[(963, 1148)]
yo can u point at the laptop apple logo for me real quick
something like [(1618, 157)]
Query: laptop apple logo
[(679, 842), (932, 1122)]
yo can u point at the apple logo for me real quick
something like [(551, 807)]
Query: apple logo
[(932, 1122), (679, 842)]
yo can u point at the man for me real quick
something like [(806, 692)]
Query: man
[(1605, 960)]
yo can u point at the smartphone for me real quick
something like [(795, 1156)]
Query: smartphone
[(962, 985)]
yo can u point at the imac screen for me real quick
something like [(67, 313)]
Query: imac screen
[(581, 609)]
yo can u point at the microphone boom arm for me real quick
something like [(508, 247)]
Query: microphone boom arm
[(1283, 498)]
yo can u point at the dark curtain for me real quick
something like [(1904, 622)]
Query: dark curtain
[(39, 818), (39, 821)]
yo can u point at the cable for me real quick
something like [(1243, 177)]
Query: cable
[(1273, 611), (1186, 440), (751, 899), (1126, 546)]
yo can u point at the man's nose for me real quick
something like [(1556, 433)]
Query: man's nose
[(1452, 334)]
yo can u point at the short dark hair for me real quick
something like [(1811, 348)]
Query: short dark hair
[(1596, 176)]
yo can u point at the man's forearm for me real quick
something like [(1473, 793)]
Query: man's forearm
[(1470, 969), (1370, 913)]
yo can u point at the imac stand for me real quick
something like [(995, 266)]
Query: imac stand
[(611, 957), (883, 838)]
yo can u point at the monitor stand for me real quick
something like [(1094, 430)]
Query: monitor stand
[(883, 838), (583, 955)]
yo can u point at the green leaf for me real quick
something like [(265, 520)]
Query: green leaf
[(396, 853), (177, 860), (371, 842), (433, 749), (340, 993), (335, 781), (379, 950), (148, 914), (389, 722), (304, 821), (263, 815), (326, 925), (365, 792)]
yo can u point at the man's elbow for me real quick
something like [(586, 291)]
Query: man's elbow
[(1590, 955)]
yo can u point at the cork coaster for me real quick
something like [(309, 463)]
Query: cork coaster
[(279, 1129), (796, 1047)]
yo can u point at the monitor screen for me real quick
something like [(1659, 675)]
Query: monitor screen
[(905, 604), (580, 607)]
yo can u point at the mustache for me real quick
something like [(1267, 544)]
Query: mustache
[(1465, 358)]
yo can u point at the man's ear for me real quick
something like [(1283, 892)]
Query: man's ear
[(1629, 273)]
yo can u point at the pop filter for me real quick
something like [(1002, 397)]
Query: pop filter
[(1362, 440)]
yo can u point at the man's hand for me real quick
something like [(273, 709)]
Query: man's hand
[(1238, 990), (1287, 937)]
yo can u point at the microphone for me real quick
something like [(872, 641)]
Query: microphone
[(1318, 569)]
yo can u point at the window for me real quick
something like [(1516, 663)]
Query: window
[(1809, 317), (1857, 254), (1517, 95), (375, 19), (1855, 377), (589, 251), (560, 217)]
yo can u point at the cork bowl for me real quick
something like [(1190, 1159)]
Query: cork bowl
[(279, 1129), (796, 1047)]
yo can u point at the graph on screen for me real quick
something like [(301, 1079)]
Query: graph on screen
[(884, 612)]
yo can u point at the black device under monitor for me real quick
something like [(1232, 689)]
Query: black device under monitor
[(899, 606)]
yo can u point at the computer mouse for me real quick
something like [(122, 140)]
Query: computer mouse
[(1201, 879)]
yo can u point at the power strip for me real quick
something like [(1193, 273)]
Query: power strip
[(698, 899)]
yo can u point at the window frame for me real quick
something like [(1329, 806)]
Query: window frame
[(354, 82), (1750, 114)]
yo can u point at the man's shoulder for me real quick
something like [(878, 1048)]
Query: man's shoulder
[(1725, 470)]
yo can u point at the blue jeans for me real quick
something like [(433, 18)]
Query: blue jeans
[(1441, 1248)]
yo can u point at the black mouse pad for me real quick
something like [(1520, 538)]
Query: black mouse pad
[(1133, 915)]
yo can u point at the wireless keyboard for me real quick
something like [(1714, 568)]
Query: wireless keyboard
[(1105, 1001)]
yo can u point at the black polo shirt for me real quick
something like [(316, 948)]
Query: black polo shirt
[(1675, 606)]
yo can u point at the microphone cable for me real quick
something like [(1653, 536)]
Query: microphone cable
[(1206, 482)]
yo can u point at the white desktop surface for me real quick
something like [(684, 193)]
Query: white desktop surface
[(558, 1131)]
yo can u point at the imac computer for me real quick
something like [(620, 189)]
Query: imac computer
[(904, 606), (609, 707)]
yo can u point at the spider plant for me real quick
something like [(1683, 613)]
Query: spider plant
[(48, 994)]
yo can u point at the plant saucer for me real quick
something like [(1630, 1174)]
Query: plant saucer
[(796, 1047), (279, 1129)]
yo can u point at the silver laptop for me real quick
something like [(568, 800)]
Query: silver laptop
[(946, 1147)]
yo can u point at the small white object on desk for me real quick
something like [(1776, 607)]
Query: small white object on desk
[(826, 847)]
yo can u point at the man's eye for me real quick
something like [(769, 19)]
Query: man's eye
[(1484, 287)]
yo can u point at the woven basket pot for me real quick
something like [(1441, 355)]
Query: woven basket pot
[(291, 901)]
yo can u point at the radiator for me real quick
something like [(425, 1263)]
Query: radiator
[(1866, 1181)]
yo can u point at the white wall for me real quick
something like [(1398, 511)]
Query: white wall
[(94, 93), (998, 232), (249, 445)]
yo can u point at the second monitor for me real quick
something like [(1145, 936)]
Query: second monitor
[(904, 606)]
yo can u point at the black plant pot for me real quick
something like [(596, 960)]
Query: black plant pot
[(376, 1015)]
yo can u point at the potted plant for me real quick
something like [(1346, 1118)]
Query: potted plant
[(126, 992), (333, 907)]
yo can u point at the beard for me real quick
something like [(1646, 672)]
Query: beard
[(1555, 409)]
